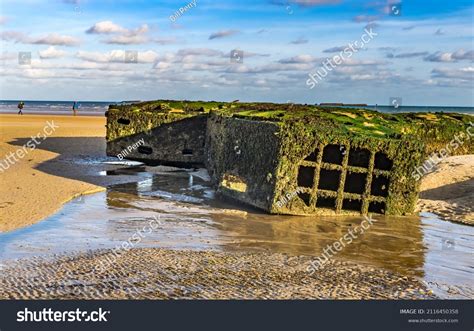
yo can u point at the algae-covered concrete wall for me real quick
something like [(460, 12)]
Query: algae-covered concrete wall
[(326, 171), (168, 132), (121, 123), (180, 143), (292, 159), (242, 156), (311, 168)]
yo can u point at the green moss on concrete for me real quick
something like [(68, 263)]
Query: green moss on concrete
[(254, 151)]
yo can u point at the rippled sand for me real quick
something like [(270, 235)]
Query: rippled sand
[(170, 274)]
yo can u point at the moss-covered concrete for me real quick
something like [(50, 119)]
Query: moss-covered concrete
[(292, 159), (173, 131)]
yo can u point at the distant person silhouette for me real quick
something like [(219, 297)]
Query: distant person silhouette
[(74, 108), (20, 107)]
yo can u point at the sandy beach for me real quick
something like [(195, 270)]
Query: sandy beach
[(39, 183), (47, 177), (170, 274), (69, 162), (448, 191)]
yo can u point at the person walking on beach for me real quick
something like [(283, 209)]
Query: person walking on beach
[(20, 107), (74, 108)]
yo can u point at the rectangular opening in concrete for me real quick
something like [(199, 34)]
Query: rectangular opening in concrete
[(382, 162), (305, 176), (326, 202), (359, 157), (187, 151), (353, 204), (145, 150), (355, 183), (313, 156), (329, 179), (377, 207), (333, 154), (123, 121), (305, 197), (379, 186)]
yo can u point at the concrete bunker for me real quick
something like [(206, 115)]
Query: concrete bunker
[(289, 159)]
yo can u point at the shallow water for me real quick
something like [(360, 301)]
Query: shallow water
[(178, 210)]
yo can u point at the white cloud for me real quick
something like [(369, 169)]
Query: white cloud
[(459, 55), (51, 53), (199, 52), (123, 36), (466, 73), (56, 39), (50, 39), (366, 18), (105, 27), (127, 40), (8, 56), (353, 62), (304, 58), (117, 56)]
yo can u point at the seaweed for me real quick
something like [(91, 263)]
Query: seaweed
[(318, 160)]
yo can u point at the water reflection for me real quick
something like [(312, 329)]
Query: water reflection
[(191, 218)]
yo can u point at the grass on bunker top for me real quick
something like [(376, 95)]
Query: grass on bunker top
[(434, 129)]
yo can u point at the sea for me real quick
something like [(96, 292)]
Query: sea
[(99, 107)]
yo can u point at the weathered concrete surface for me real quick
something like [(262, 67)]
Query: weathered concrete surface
[(242, 158), (289, 170), (177, 143), (291, 159)]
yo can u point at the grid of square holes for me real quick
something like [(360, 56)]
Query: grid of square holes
[(341, 177)]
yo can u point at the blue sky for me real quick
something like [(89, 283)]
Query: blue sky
[(79, 50)]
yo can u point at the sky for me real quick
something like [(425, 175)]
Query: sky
[(421, 52)]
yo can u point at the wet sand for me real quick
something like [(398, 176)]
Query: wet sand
[(29, 195), (38, 184), (57, 170), (70, 163), (186, 217), (169, 274), (448, 190)]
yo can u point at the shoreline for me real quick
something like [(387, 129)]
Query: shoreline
[(66, 113), (448, 191), (43, 176), (68, 164)]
